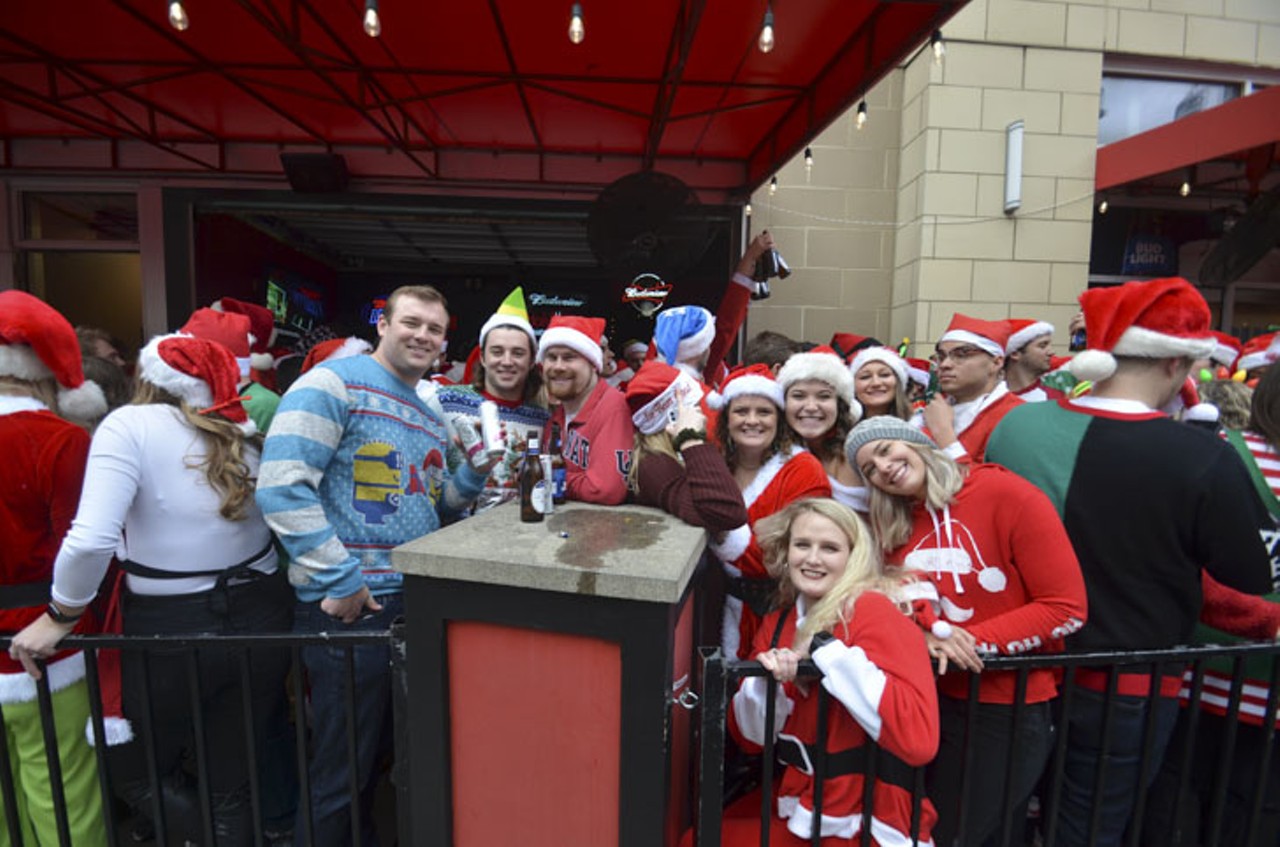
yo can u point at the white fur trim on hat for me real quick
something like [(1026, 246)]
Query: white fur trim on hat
[(261, 361), (964, 336), (1203, 412), (742, 386), (824, 367), (84, 402), (499, 320), (563, 336), (1148, 344), (698, 343), (19, 360), (155, 370), (884, 355), (1026, 335)]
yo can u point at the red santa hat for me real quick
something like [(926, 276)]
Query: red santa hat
[(37, 342), (656, 393), (634, 345), (229, 329), (846, 344), (334, 349), (918, 371), (200, 373), (886, 356), (579, 334), (1022, 331), (1158, 319), (825, 365), (755, 380), (262, 324), (684, 333), (1227, 350), (1258, 352), (988, 336)]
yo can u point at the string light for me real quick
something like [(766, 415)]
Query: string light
[(577, 30), (748, 208), (372, 23), (178, 16), (862, 114), (1184, 189), (773, 186), (1103, 206), (808, 162), (939, 46), (766, 31)]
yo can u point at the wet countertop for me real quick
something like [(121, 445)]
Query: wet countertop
[(624, 552)]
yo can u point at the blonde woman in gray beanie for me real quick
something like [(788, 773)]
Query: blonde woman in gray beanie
[(996, 575)]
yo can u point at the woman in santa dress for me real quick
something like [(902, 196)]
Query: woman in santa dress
[(817, 388), (880, 382), (1006, 581), (771, 473), (841, 610)]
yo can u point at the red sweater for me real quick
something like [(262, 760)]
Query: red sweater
[(1004, 570), (597, 447)]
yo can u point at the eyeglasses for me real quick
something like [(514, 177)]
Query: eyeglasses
[(956, 354)]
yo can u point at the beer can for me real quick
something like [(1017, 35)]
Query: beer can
[(490, 429)]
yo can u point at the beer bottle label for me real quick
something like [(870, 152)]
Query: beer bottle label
[(540, 497), (557, 483)]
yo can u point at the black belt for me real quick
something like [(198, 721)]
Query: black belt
[(24, 594), (889, 768), (238, 570), (757, 592)]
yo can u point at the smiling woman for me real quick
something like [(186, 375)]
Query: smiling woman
[(820, 410)]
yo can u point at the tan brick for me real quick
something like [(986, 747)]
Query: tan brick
[(887, 93), (1037, 197), (867, 206), (905, 284), (1228, 41), (881, 131), (983, 65), (866, 289), (909, 200), (821, 324), (804, 207), (1267, 11), (1080, 115), (843, 248), (1189, 7), (1064, 70), (1053, 241), (912, 160), (911, 119), (1058, 155), (953, 107), (907, 244), (809, 287), (919, 75), (790, 239), (1066, 281), (788, 320), (911, 320), (1269, 46), (945, 279), (1010, 281), (949, 193), (1040, 111), (1112, 37), (852, 169), (1074, 200), (1027, 22), (1152, 33), (1086, 27), (981, 239), (970, 23), (967, 151)]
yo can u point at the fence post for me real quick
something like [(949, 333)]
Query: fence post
[(711, 735)]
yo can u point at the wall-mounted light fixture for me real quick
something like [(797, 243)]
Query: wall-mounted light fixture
[(1013, 167)]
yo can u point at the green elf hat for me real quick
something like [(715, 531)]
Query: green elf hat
[(512, 313)]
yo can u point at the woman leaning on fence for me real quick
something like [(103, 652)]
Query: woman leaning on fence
[(1005, 580), (841, 610), (169, 483), (40, 478)]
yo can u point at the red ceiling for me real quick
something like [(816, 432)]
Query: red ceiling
[(464, 92)]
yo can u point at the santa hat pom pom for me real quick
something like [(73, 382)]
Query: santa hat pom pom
[(117, 730), (84, 402), (1094, 365), (715, 401), (261, 361)]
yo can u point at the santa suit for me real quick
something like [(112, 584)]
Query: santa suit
[(783, 479), (597, 446), (878, 672), (974, 421)]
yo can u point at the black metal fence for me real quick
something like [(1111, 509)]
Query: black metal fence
[(1183, 765)]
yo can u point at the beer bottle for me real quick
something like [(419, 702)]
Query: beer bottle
[(533, 485), (557, 466)]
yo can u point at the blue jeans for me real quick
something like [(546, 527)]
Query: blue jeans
[(1123, 758), (328, 770)]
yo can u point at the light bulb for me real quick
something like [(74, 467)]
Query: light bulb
[(862, 114), (577, 31), (773, 186), (748, 210), (372, 23), (178, 16), (808, 159), (766, 31), (939, 46), (1103, 206), (1185, 188)]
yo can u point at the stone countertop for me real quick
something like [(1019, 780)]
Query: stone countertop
[(624, 552)]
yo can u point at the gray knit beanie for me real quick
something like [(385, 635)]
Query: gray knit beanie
[(881, 428)]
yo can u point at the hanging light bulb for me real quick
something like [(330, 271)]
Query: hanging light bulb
[(773, 186), (178, 16), (372, 23), (766, 31), (748, 208), (1184, 189), (577, 30), (808, 163), (939, 46), (1103, 206), (862, 114)]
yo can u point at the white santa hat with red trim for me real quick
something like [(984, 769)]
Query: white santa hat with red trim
[(1022, 331), (1258, 352), (37, 342), (201, 373), (988, 336), (579, 334), (1158, 319), (825, 365), (754, 380), (262, 326), (885, 356)]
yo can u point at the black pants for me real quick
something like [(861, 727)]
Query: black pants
[(985, 781)]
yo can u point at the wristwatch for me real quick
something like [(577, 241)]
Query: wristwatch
[(60, 616)]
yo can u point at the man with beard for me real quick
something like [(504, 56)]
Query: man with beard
[(592, 415)]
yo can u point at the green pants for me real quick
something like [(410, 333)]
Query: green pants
[(30, 770)]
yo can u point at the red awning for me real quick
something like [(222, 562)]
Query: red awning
[(467, 93)]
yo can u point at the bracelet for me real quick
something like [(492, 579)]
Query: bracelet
[(687, 434), (60, 616)]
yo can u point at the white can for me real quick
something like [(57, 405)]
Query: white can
[(490, 428), (549, 504)]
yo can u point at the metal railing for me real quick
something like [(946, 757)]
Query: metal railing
[(720, 678)]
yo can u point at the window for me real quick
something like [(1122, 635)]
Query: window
[(1133, 104)]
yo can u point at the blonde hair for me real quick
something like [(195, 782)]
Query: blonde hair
[(891, 514), (864, 570), (45, 390), (225, 466), (648, 445)]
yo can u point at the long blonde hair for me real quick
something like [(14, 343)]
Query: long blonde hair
[(225, 466), (864, 571), (892, 515), (659, 443)]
